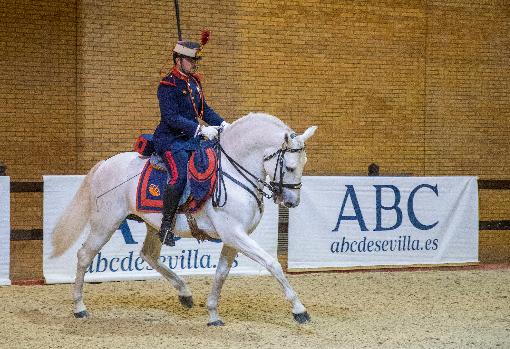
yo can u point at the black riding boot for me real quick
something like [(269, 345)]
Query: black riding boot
[(170, 203)]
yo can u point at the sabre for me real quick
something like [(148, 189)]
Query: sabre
[(178, 19)]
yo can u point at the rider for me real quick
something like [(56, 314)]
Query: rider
[(182, 105)]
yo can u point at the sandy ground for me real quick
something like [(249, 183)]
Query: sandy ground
[(424, 309)]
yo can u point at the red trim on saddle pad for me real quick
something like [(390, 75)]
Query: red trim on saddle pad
[(205, 180), (202, 176), (144, 203)]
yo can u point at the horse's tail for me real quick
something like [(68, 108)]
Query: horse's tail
[(74, 218)]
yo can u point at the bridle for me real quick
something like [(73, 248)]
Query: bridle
[(275, 187)]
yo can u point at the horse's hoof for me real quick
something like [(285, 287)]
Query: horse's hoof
[(216, 323), (186, 302), (82, 314), (302, 318)]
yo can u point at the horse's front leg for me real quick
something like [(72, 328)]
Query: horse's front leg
[(247, 246), (227, 257)]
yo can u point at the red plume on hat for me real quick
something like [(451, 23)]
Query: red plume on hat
[(206, 33)]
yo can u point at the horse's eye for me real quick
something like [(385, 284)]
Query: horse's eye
[(289, 169)]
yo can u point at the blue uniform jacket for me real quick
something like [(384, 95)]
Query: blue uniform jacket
[(179, 113)]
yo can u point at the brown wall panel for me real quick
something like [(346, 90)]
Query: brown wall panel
[(419, 87)]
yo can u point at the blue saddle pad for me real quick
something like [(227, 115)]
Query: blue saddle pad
[(199, 187)]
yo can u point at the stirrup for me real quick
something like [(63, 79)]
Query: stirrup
[(166, 235)]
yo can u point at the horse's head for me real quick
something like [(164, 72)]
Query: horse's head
[(285, 167)]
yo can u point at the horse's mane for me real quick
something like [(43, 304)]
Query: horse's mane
[(254, 129), (255, 118)]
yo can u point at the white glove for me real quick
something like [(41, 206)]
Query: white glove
[(225, 125), (209, 132)]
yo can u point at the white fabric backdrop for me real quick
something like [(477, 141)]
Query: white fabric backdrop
[(119, 259), (336, 224), (5, 230)]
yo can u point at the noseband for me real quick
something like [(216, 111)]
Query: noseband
[(276, 188)]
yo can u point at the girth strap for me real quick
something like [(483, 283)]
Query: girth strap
[(196, 232)]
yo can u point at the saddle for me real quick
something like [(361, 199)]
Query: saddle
[(201, 180)]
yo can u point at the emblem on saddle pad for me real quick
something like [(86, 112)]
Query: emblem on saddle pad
[(154, 190)]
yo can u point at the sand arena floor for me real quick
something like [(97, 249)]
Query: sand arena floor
[(424, 309)]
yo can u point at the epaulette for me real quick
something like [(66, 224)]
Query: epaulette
[(168, 80)]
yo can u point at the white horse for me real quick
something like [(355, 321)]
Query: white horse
[(260, 144)]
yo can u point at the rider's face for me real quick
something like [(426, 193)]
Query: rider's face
[(189, 65)]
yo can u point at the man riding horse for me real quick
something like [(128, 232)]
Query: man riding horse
[(182, 104)]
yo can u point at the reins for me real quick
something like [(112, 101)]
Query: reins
[(220, 196)]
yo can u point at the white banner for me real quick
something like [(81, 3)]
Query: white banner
[(5, 230), (376, 221), (120, 260)]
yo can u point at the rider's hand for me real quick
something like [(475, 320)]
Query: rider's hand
[(209, 132), (224, 125)]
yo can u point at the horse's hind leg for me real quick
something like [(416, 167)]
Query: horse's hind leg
[(150, 253), (227, 257), (97, 238)]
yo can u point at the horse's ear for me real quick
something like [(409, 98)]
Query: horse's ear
[(308, 133), (287, 140)]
